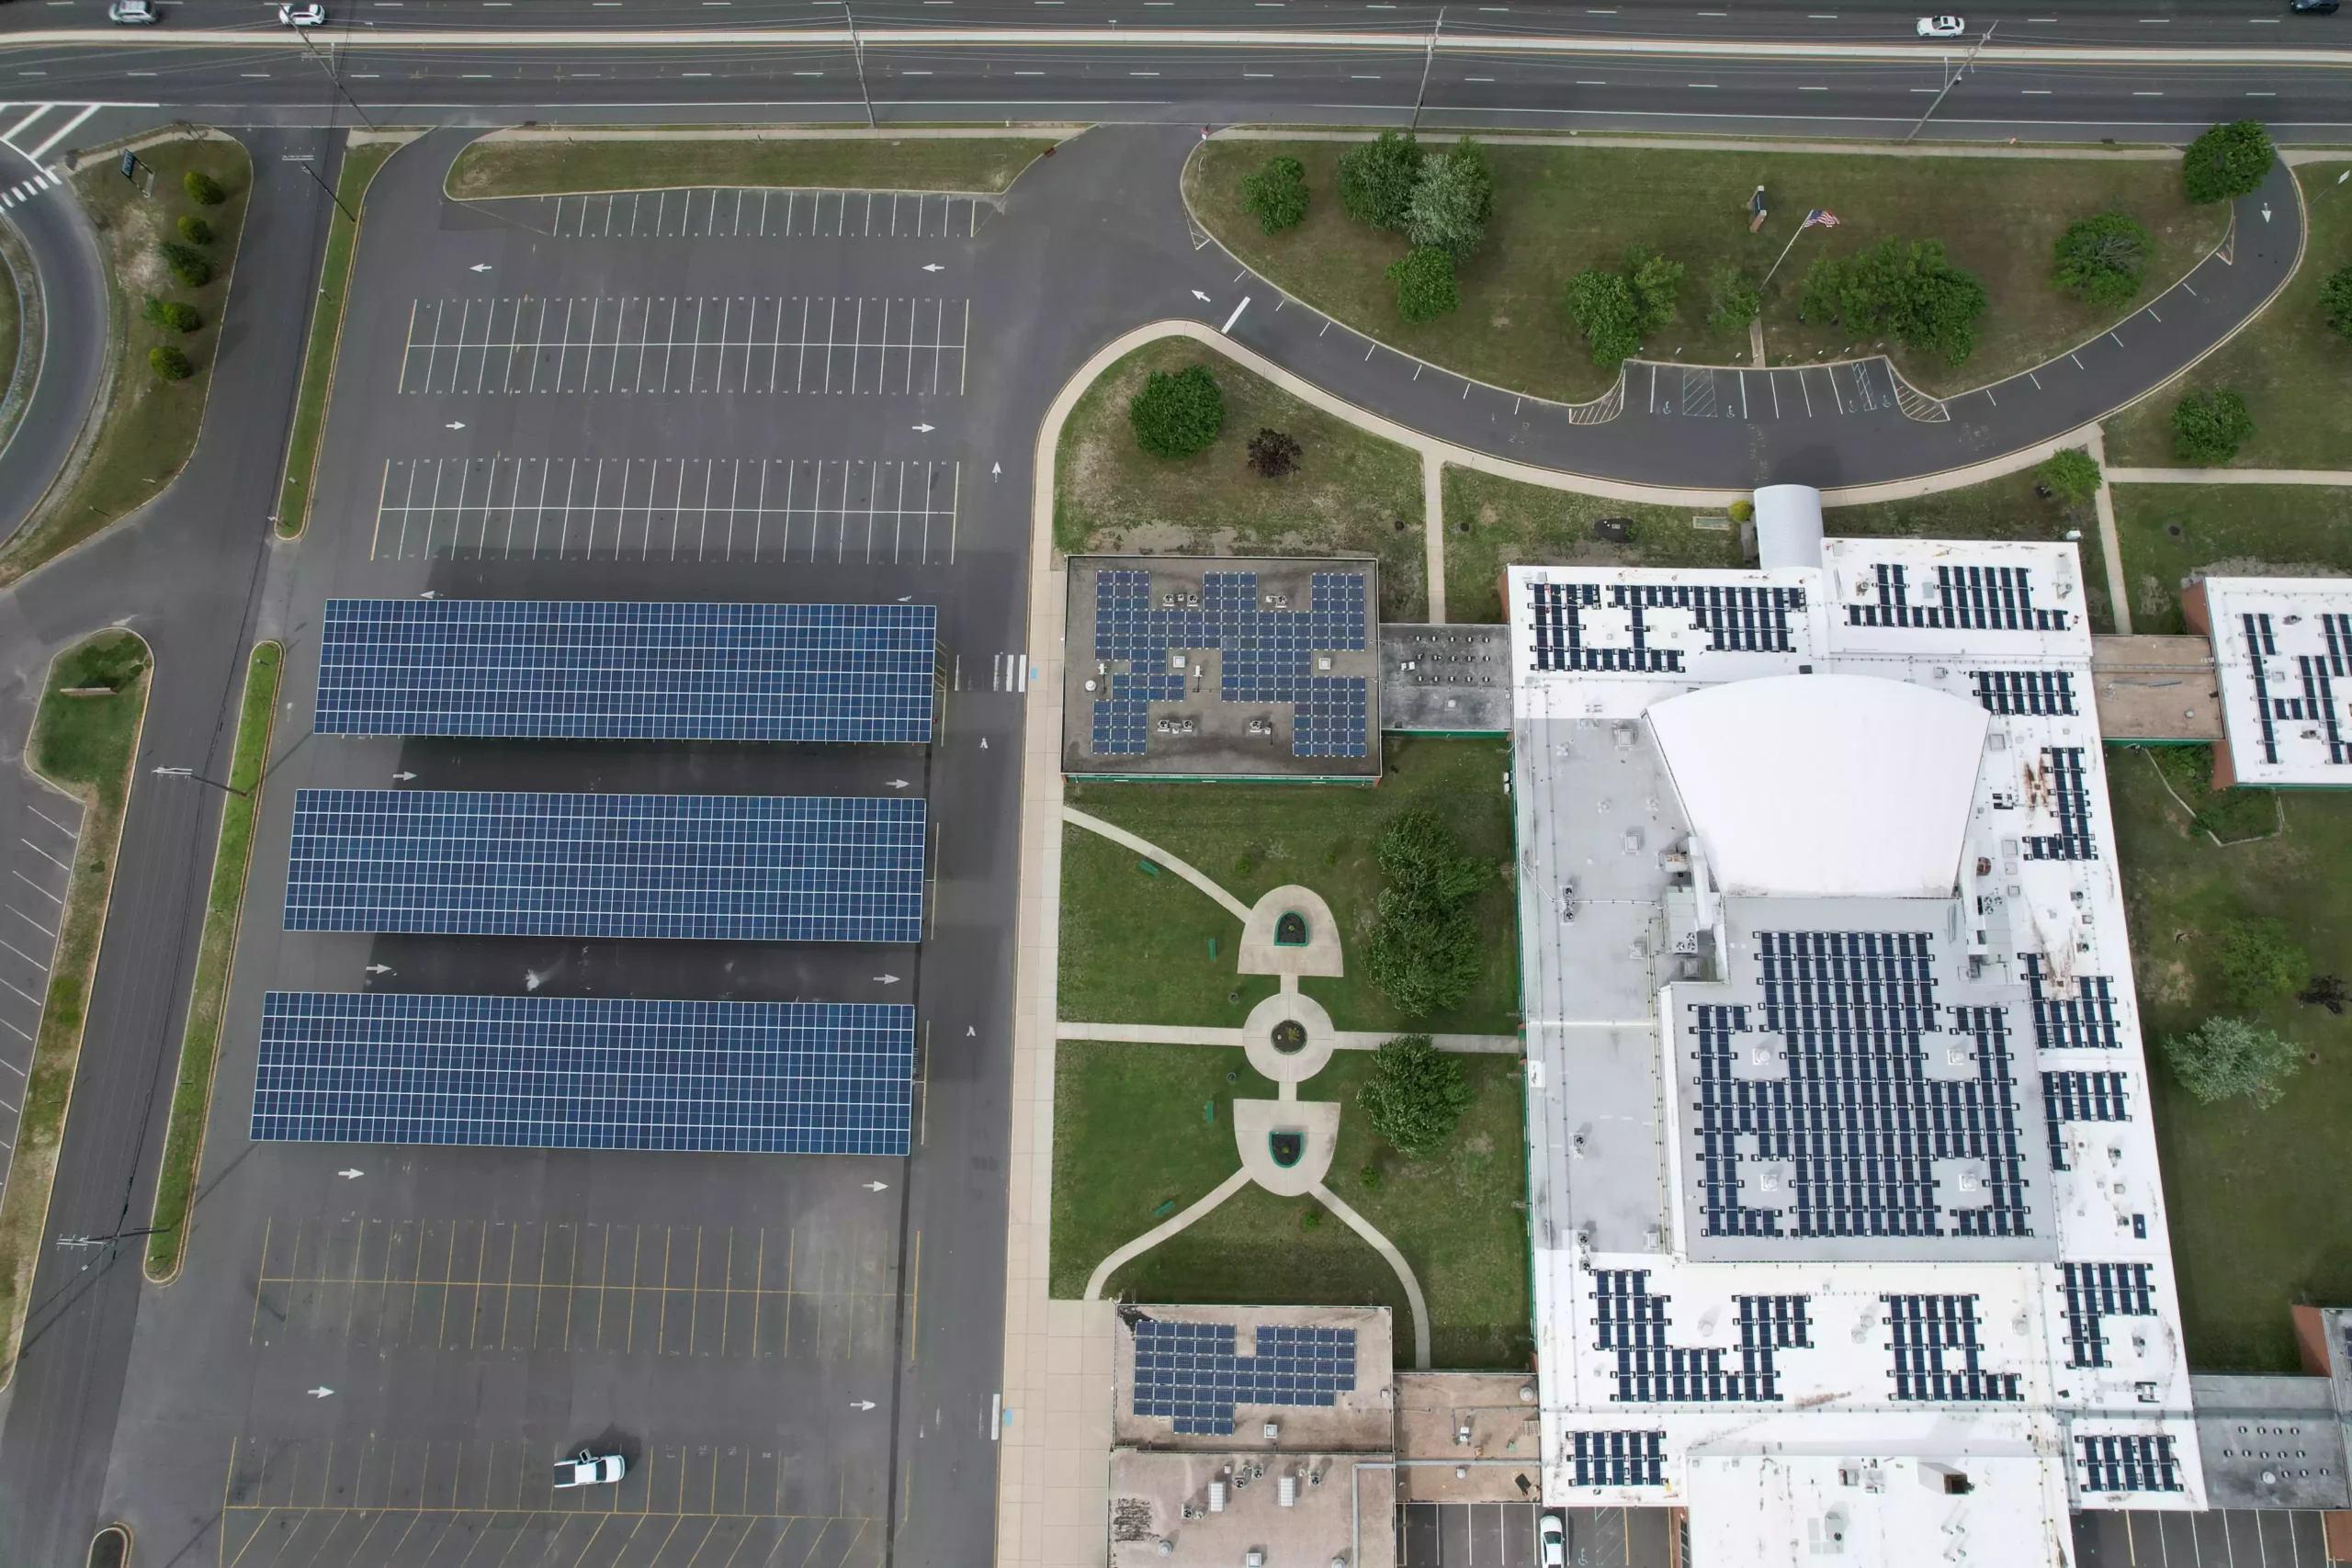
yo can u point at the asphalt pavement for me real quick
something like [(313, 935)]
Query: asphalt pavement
[(72, 284)]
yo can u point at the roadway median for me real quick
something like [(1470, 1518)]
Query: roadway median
[(571, 160)]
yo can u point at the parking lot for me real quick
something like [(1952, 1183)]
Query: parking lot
[(40, 857), (1502, 1535)]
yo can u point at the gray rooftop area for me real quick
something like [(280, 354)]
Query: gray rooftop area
[(1446, 680), (1222, 667), (2270, 1442)]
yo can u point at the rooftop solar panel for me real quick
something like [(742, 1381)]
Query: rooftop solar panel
[(589, 671), (580, 1073), (722, 867)]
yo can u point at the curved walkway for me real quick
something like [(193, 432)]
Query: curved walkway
[(1387, 1249), (1096, 1281), (1158, 856), (1739, 428)]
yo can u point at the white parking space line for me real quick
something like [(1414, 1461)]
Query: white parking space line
[(896, 511), (43, 863), (824, 344), (750, 212)]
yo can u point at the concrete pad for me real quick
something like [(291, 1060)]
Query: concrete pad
[(1270, 1061), (1316, 1120), (1320, 955)]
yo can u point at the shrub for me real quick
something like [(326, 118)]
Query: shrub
[(2227, 161), (1655, 282), (1905, 290), (2103, 259), (2210, 427), (194, 229), (172, 314), (1273, 453), (1603, 307), (1742, 511), (1177, 413), (1424, 951), (1415, 1095), (170, 363), (1733, 299), (202, 189), (1275, 194), (1424, 280), (2072, 475), (188, 264), (1452, 199), (2260, 961), (1309, 1217), (2223, 1058), (1368, 1176), (1376, 179), (2336, 301)]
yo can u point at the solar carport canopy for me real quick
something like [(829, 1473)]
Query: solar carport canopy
[(553, 669), (582, 1073), (716, 867)]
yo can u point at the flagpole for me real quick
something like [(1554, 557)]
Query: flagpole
[(1784, 252)]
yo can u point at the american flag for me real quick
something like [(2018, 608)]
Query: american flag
[(1822, 216)]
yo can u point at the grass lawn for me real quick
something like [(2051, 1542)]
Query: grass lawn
[(148, 425), (2169, 531), (86, 746), (2294, 373), (1134, 947), (2248, 1238), (1559, 210), (200, 1044), (1129, 1136), (1351, 493), (541, 166), (360, 165)]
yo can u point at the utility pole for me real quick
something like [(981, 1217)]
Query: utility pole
[(1429, 58), (327, 65), (304, 163), (1952, 79), (857, 47)]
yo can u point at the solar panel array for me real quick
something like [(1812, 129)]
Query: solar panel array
[(591, 671), (733, 868), (1190, 1373), (2096, 1292), (1616, 1459), (1969, 598), (2079, 1097), (2084, 1021), (1937, 1357), (585, 1073), (1736, 619), (1630, 1321), (1856, 1115), (1263, 655), (2062, 766), (2040, 693), (2128, 1463)]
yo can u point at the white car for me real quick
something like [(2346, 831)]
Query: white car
[(133, 13), (1941, 27), (590, 1470), (1552, 1534), (302, 16)]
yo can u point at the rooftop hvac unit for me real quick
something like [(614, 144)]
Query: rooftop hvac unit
[(1286, 1493), (1216, 1497), (1254, 1558)]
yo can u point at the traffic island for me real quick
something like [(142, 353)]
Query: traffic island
[(551, 161)]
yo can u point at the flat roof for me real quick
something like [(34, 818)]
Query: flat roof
[(1450, 680), (1222, 667), (2280, 647)]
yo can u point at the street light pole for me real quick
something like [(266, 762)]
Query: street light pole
[(1952, 79), (192, 774), (1429, 58), (304, 163), (311, 49)]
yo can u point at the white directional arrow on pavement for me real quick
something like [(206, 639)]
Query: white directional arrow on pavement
[(984, 742), (926, 429), (877, 1187), (479, 266), (996, 470), (379, 968), (319, 1392), (2266, 212), (969, 1030), (888, 979), (1200, 297), (430, 593), (860, 1404), (896, 784), (354, 1174), (932, 267), (403, 777), (455, 425)]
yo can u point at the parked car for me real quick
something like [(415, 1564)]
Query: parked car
[(1941, 27), (590, 1470), (2314, 7), (133, 13), (302, 16), (1552, 1534)]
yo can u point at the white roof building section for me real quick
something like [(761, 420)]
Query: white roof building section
[(1824, 784), (2281, 649), (1844, 1199)]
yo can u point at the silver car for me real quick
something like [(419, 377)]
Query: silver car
[(133, 13), (1551, 1534), (590, 1470), (1941, 27)]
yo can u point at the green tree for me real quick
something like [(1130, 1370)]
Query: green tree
[(1275, 194), (188, 264), (2336, 301), (2260, 961), (2210, 427), (1425, 288), (1415, 1095), (170, 363), (1655, 282), (1424, 951), (194, 229), (2072, 475), (1177, 413), (2227, 161), (2103, 259), (1452, 199), (172, 314), (202, 189), (1602, 306), (1733, 299), (2223, 1058), (1376, 179), (1906, 290)]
